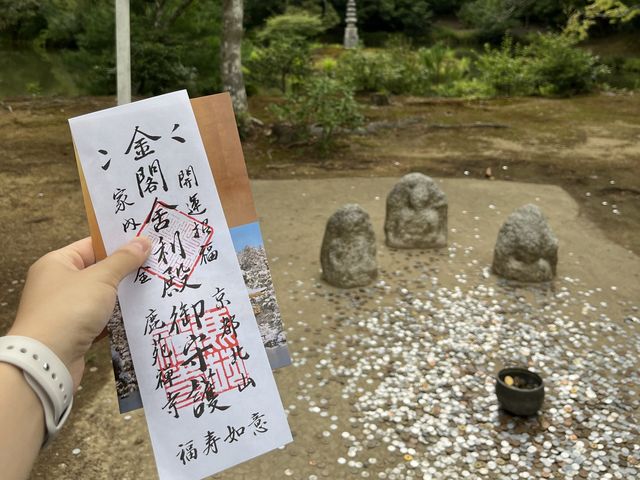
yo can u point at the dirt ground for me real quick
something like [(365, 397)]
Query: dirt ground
[(590, 146)]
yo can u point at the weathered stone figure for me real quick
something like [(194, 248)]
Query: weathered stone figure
[(526, 249), (416, 214), (348, 255)]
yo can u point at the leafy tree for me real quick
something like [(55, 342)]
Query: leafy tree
[(610, 11), (174, 43), (284, 53), (18, 16), (91, 43), (63, 22), (188, 33)]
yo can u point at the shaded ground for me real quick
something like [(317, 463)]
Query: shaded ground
[(586, 145)]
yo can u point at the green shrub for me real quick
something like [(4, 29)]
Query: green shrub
[(465, 88), (34, 88), (364, 71), (632, 65), (439, 65), (557, 67), (402, 70), (327, 65), (320, 101), (395, 67), (282, 62), (504, 70), (293, 23), (549, 65), (284, 52)]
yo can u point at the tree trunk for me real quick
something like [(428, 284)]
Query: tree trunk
[(232, 78)]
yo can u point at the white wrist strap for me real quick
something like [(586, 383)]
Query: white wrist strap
[(46, 374)]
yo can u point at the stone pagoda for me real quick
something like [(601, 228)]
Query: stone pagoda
[(351, 32)]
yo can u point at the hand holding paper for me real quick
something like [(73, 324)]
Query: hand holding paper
[(71, 283), (208, 392)]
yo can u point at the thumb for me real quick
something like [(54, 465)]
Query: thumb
[(122, 262)]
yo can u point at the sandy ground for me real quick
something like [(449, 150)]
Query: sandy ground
[(293, 214)]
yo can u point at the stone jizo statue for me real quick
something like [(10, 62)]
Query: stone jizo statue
[(526, 249), (348, 255), (416, 214)]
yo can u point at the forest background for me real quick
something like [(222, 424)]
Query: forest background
[(454, 48)]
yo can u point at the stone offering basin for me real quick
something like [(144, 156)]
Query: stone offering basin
[(520, 401)]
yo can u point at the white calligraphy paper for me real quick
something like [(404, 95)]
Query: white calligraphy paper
[(209, 396)]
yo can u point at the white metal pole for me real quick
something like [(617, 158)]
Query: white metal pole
[(123, 51)]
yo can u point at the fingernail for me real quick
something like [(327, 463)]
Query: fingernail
[(141, 243)]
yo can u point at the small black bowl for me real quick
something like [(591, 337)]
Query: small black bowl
[(520, 401)]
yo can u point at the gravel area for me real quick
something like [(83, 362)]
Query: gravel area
[(396, 380)]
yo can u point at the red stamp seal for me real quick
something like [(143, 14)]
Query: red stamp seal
[(179, 242), (198, 357)]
